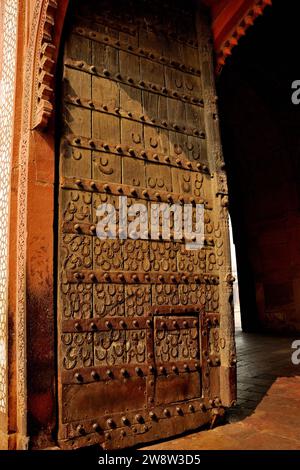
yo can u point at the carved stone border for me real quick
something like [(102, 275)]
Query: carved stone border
[(38, 14), (44, 66), (239, 30), (35, 114)]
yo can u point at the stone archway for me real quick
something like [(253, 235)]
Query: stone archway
[(31, 252), (31, 290)]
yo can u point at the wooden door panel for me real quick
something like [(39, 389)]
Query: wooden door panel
[(103, 396), (175, 79), (105, 92), (77, 120), (194, 114), (177, 113), (180, 388), (156, 140), (137, 299), (131, 133), (75, 162), (77, 84), (129, 66), (79, 48), (196, 150), (190, 56), (107, 254), (98, 199), (158, 177), (131, 100), (140, 343), (109, 300), (76, 253), (106, 127), (76, 206), (172, 49), (106, 167), (104, 56), (176, 344), (192, 84), (134, 172), (153, 71), (149, 40), (155, 107)]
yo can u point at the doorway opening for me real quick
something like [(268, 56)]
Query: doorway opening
[(261, 142), (260, 134), (236, 297)]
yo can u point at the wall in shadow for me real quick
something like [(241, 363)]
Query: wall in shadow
[(260, 131)]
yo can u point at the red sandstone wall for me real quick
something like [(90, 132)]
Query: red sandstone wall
[(261, 144)]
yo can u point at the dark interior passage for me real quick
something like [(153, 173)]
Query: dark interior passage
[(261, 141)]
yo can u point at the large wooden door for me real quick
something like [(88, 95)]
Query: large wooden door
[(141, 350)]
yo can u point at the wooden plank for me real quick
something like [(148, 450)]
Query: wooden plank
[(104, 57), (106, 167)]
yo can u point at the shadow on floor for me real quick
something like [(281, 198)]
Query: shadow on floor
[(261, 360)]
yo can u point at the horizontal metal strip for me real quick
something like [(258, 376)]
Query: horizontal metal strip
[(177, 310), (176, 323), (135, 192), (137, 51), (89, 276), (185, 312), (212, 360), (106, 324), (91, 229), (120, 25), (136, 152), (117, 112), (129, 81), (134, 323), (104, 373), (170, 34), (211, 319), (130, 420), (149, 26), (126, 371)]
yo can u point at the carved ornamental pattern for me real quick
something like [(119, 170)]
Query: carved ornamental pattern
[(44, 67)]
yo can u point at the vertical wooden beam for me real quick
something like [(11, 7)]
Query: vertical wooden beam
[(221, 221)]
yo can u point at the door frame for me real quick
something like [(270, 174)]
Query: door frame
[(31, 274)]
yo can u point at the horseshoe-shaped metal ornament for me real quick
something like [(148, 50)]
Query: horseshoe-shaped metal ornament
[(189, 146), (196, 156), (153, 144), (186, 187), (189, 85), (151, 182), (136, 138), (136, 182), (77, 155), (178, 83), (178, 149), (102, 164), (160, 182)]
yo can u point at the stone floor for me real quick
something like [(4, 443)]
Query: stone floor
[(267, 415)]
